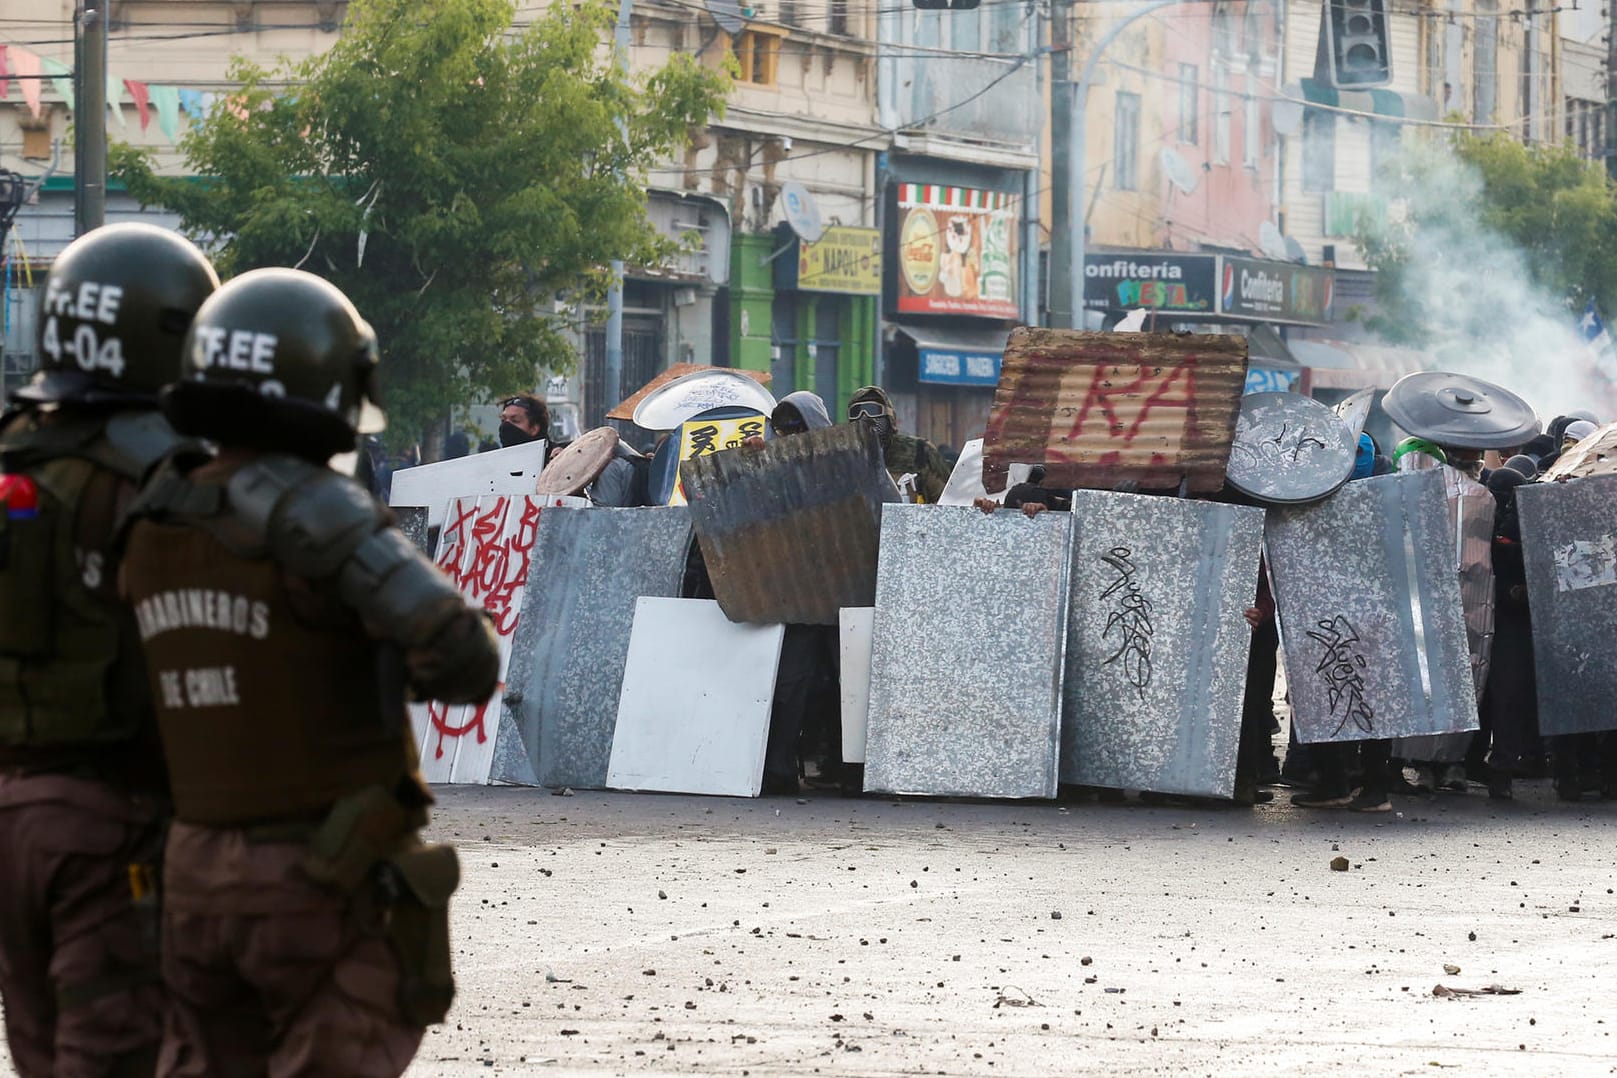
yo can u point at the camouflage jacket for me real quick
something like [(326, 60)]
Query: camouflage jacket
[(910, 454)]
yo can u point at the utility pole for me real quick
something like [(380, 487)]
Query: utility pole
[(1611, 90), (1062, 316), (90, 116), (1067, 201), (612, 391)]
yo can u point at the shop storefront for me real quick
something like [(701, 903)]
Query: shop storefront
[(954, 292), (1217, 293)]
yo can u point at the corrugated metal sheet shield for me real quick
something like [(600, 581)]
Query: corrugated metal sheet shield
[(966, 656), (1370, 617), (1156, 642), (1101, 408), (789, 532), (1569, 540), (568, 659)]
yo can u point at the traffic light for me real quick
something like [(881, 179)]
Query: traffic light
[(1355, 44), (945, 5)]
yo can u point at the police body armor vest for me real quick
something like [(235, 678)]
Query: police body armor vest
[(70, 669), (264, 715)]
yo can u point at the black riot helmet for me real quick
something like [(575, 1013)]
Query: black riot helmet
[(113, 315), (278, 359)]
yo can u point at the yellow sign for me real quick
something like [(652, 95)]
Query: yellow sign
[(846, 260), (698, 437)]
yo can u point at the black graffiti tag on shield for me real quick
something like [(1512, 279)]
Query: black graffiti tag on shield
[(1341, 668), (1130, 617)]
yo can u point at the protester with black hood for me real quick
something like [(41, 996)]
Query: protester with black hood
[(524, 418), (905, 454), (806, 702)]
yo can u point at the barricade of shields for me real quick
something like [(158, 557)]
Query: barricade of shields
[(1111, 629)]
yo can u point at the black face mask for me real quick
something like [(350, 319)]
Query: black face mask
[(511, 434)]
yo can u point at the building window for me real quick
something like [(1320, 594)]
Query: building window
[(1485, 62), (1126, 143), (1319, 150), (1006, 23), (788, 13), (1190, 103), (1221, 116), (758, 55), (838, 24), (1251, 125)]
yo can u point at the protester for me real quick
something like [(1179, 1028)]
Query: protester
[(524, 418), (284, 622), (903, 453), (1509, 705), (82, 783)]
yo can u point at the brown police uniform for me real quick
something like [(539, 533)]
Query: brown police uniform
[(81, 776), (305, 924)]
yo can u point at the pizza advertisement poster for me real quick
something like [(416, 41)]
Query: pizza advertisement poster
[(957, 251)]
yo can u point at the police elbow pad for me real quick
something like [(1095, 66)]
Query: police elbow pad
[(313, 518), (395, 588)]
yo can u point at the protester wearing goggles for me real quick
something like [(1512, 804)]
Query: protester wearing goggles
[(905, 454)]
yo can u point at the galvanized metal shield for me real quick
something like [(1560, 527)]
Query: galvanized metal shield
[(1289, 449), (412, 521), (1459, 410), (666, 407), (1101, 408), (1156, 642), (1569, 541), (1595, 455), (789, 532), (567, 661), (1354, 411), (1370, 616), (1471, 515), (966, 661)]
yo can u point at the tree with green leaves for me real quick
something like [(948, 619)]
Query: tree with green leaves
[(1538, 216), (456, 175)]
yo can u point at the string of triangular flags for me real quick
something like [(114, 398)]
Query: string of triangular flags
[(30, 71)]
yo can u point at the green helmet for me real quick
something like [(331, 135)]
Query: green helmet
[(1419, 445), (113, 314), (278, 359)]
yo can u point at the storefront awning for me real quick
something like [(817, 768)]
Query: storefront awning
[(1388, 103), (958, 356)]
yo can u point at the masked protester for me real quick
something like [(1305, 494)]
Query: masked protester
[(306, 925), (524, 418), (904, 453), (82, 788)]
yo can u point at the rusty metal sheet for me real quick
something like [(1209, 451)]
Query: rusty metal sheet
[(1098, 409), (1156, 642), (790, 532), (1569, 542), (1370, 614), (625, 410)]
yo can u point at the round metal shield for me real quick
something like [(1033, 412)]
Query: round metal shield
[(679, 400), (577, 466), (1595, 455), (1289, 449), (1458, 410)]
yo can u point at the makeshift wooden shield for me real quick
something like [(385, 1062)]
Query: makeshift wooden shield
[(1099, 409), (1370, 616)]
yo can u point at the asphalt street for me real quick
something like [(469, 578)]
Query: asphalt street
[(648, 935)]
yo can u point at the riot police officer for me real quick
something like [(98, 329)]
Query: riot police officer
[(284, 623), (82, 788)]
